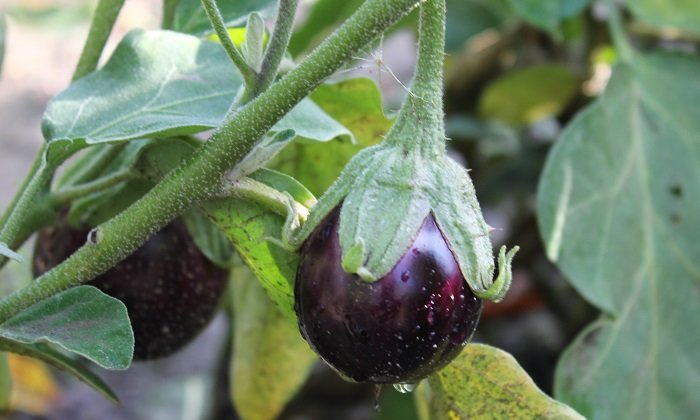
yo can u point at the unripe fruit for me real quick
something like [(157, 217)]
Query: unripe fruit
[(170, 289), (399, 329)]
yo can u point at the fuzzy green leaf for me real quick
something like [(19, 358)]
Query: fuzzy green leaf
[(181, 85), (618, 208), (157, 83), (271, 360), (679, 14), (191, 18), (485, 382), (82, 320)]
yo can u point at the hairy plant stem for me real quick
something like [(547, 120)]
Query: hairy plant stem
[(420, 123), (25, 208), (277, 45), (217, 22), (168, 18), (102, 23), (201, 176)]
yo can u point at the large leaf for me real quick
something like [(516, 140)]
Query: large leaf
[(485, 382), (157, 83), (548, 14), (160, 84), (619, 210), (355, 103), (190, 16), (681, 14), (82, 320), (271, 360)]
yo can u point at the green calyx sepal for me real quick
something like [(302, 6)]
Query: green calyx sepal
[(386, 192)]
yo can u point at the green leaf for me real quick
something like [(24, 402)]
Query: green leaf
[(209, 238), (5, 383), (548, 14), (7, 252), (485, 382), (63, 362), (253, 48), (354, 103), (157, 83), (680, 14), (525, 96), (82, 320), (310, 122), (183, 85), (191, 18), (618, 208), (271, 360), (248, 225)]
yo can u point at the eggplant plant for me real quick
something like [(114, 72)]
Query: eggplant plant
[(227, 163)]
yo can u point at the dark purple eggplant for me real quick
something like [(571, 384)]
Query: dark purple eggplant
[(398, 329)]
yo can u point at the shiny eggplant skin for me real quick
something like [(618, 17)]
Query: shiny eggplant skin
[(170, 289), (399, 329)]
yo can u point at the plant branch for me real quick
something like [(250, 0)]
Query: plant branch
[(277, 45), (68, 194), (217, 22), (24, 206), (169, 7), (102, 23), (202, 176), (422, 111)]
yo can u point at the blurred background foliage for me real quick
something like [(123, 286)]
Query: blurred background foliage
[(517, 72)]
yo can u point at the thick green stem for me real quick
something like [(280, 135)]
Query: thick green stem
[(202, 176), (277, 45), (20, 192), (270, 198), (169, 7), (68, 194), (25, 207), (420, 123), (217, 22), (102, 23)]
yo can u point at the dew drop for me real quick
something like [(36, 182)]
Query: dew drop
[(405, 276), (405, 388), (377, 393)]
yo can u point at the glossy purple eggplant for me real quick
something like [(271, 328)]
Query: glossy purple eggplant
[(170, 289), (399, 329)]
